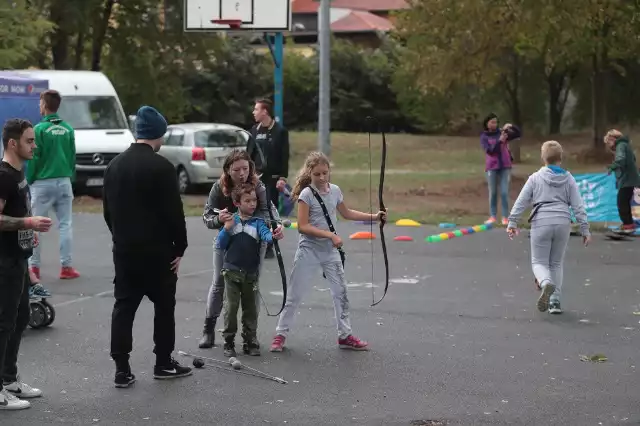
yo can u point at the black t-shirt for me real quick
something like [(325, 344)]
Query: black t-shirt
[(14, 190)]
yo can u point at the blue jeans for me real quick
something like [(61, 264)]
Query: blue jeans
[(57, 194), (499, 180)]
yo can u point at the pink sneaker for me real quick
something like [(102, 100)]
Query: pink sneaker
[(353, 343), (278, 343), (491, 220), (505, 221)]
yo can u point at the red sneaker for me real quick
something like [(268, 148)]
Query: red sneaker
[(68, 273), (628, 228), (278, 343), (353, 343), (34, 274)]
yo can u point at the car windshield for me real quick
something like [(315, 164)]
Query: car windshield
[(219, 138), (92, 113)]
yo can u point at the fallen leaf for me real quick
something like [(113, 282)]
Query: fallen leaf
[(593, 358)]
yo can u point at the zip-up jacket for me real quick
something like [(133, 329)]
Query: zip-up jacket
[(275, 150), (241, 243), (55, 152), (624, 165)]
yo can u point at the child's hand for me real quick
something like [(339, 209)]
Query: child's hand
[(586, 240), (381, 216), (277, 233), (336, 240), (36, 241), (512, 232), (228, 225)]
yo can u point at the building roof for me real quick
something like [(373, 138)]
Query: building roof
[(356, 21), (311, 6)]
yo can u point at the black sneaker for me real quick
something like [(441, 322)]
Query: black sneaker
[(251, 349), (124, 379), (171, 371), (270, 253), (229, 349)]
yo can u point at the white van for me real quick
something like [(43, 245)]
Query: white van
[(91, 106)]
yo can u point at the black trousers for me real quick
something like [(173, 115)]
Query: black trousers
[(624, 205), (136, 277), (14, 314)]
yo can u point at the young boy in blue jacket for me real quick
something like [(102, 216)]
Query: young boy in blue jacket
[(240, 239)]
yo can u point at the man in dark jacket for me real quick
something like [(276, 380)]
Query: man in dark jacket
[(269, 150), (143, 210), (627, 176)]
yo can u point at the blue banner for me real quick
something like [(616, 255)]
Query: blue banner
[(20, 97), (599, 193)]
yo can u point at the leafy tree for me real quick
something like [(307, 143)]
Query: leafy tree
[(21, 29)]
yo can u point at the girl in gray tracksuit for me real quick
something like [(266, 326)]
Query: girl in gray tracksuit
[(553, 192)]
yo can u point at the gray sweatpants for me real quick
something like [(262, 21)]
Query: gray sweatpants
[(548, 246), (215, 297), (307, 262)]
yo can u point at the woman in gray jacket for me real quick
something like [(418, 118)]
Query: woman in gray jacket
[(553, 192)]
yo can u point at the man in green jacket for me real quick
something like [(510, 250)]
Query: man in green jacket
[(627, 176), (49, 174)]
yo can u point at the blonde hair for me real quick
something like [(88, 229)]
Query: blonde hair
[(551, 152), (613, 133), (304, 175)]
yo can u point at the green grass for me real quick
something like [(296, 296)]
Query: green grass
[(430, 179)]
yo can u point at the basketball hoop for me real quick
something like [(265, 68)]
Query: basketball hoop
[(234, 24)]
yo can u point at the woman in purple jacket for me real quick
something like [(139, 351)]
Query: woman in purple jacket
[(498, 160)]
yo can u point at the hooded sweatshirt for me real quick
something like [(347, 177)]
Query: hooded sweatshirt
[(553, 192)]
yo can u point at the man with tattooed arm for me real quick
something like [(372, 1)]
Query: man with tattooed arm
[(17, 240)]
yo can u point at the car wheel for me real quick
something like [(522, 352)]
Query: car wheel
[(183, 180)]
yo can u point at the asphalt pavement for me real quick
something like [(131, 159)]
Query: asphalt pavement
[(456, 341)]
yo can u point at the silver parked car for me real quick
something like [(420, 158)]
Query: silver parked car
[(198, 150)]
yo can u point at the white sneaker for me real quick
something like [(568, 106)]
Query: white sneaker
[(23, 390), (10, 402)]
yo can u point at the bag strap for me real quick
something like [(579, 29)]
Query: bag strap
[(324, 209), (328, 219)]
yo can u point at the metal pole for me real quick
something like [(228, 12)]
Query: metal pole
[(278, 79), (324, 95)]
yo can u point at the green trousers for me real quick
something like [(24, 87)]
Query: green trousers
[(240, 288)]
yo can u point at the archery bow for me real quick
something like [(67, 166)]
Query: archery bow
[(381, 208), (276, 246)]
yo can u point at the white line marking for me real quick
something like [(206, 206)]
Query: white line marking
[(109, 292)]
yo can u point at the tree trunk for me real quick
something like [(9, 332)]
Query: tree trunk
[(559, 84), (79, 51), (99, 35), (555, 83), (59, 37), (598, 107), (512, 87)]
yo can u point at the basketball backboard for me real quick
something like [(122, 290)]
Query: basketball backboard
[(256, 15)]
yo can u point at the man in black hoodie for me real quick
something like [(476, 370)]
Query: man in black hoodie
[(143, 210), (269, 150)]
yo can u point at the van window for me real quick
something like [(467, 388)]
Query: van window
[(92, 113), (219, 138)]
